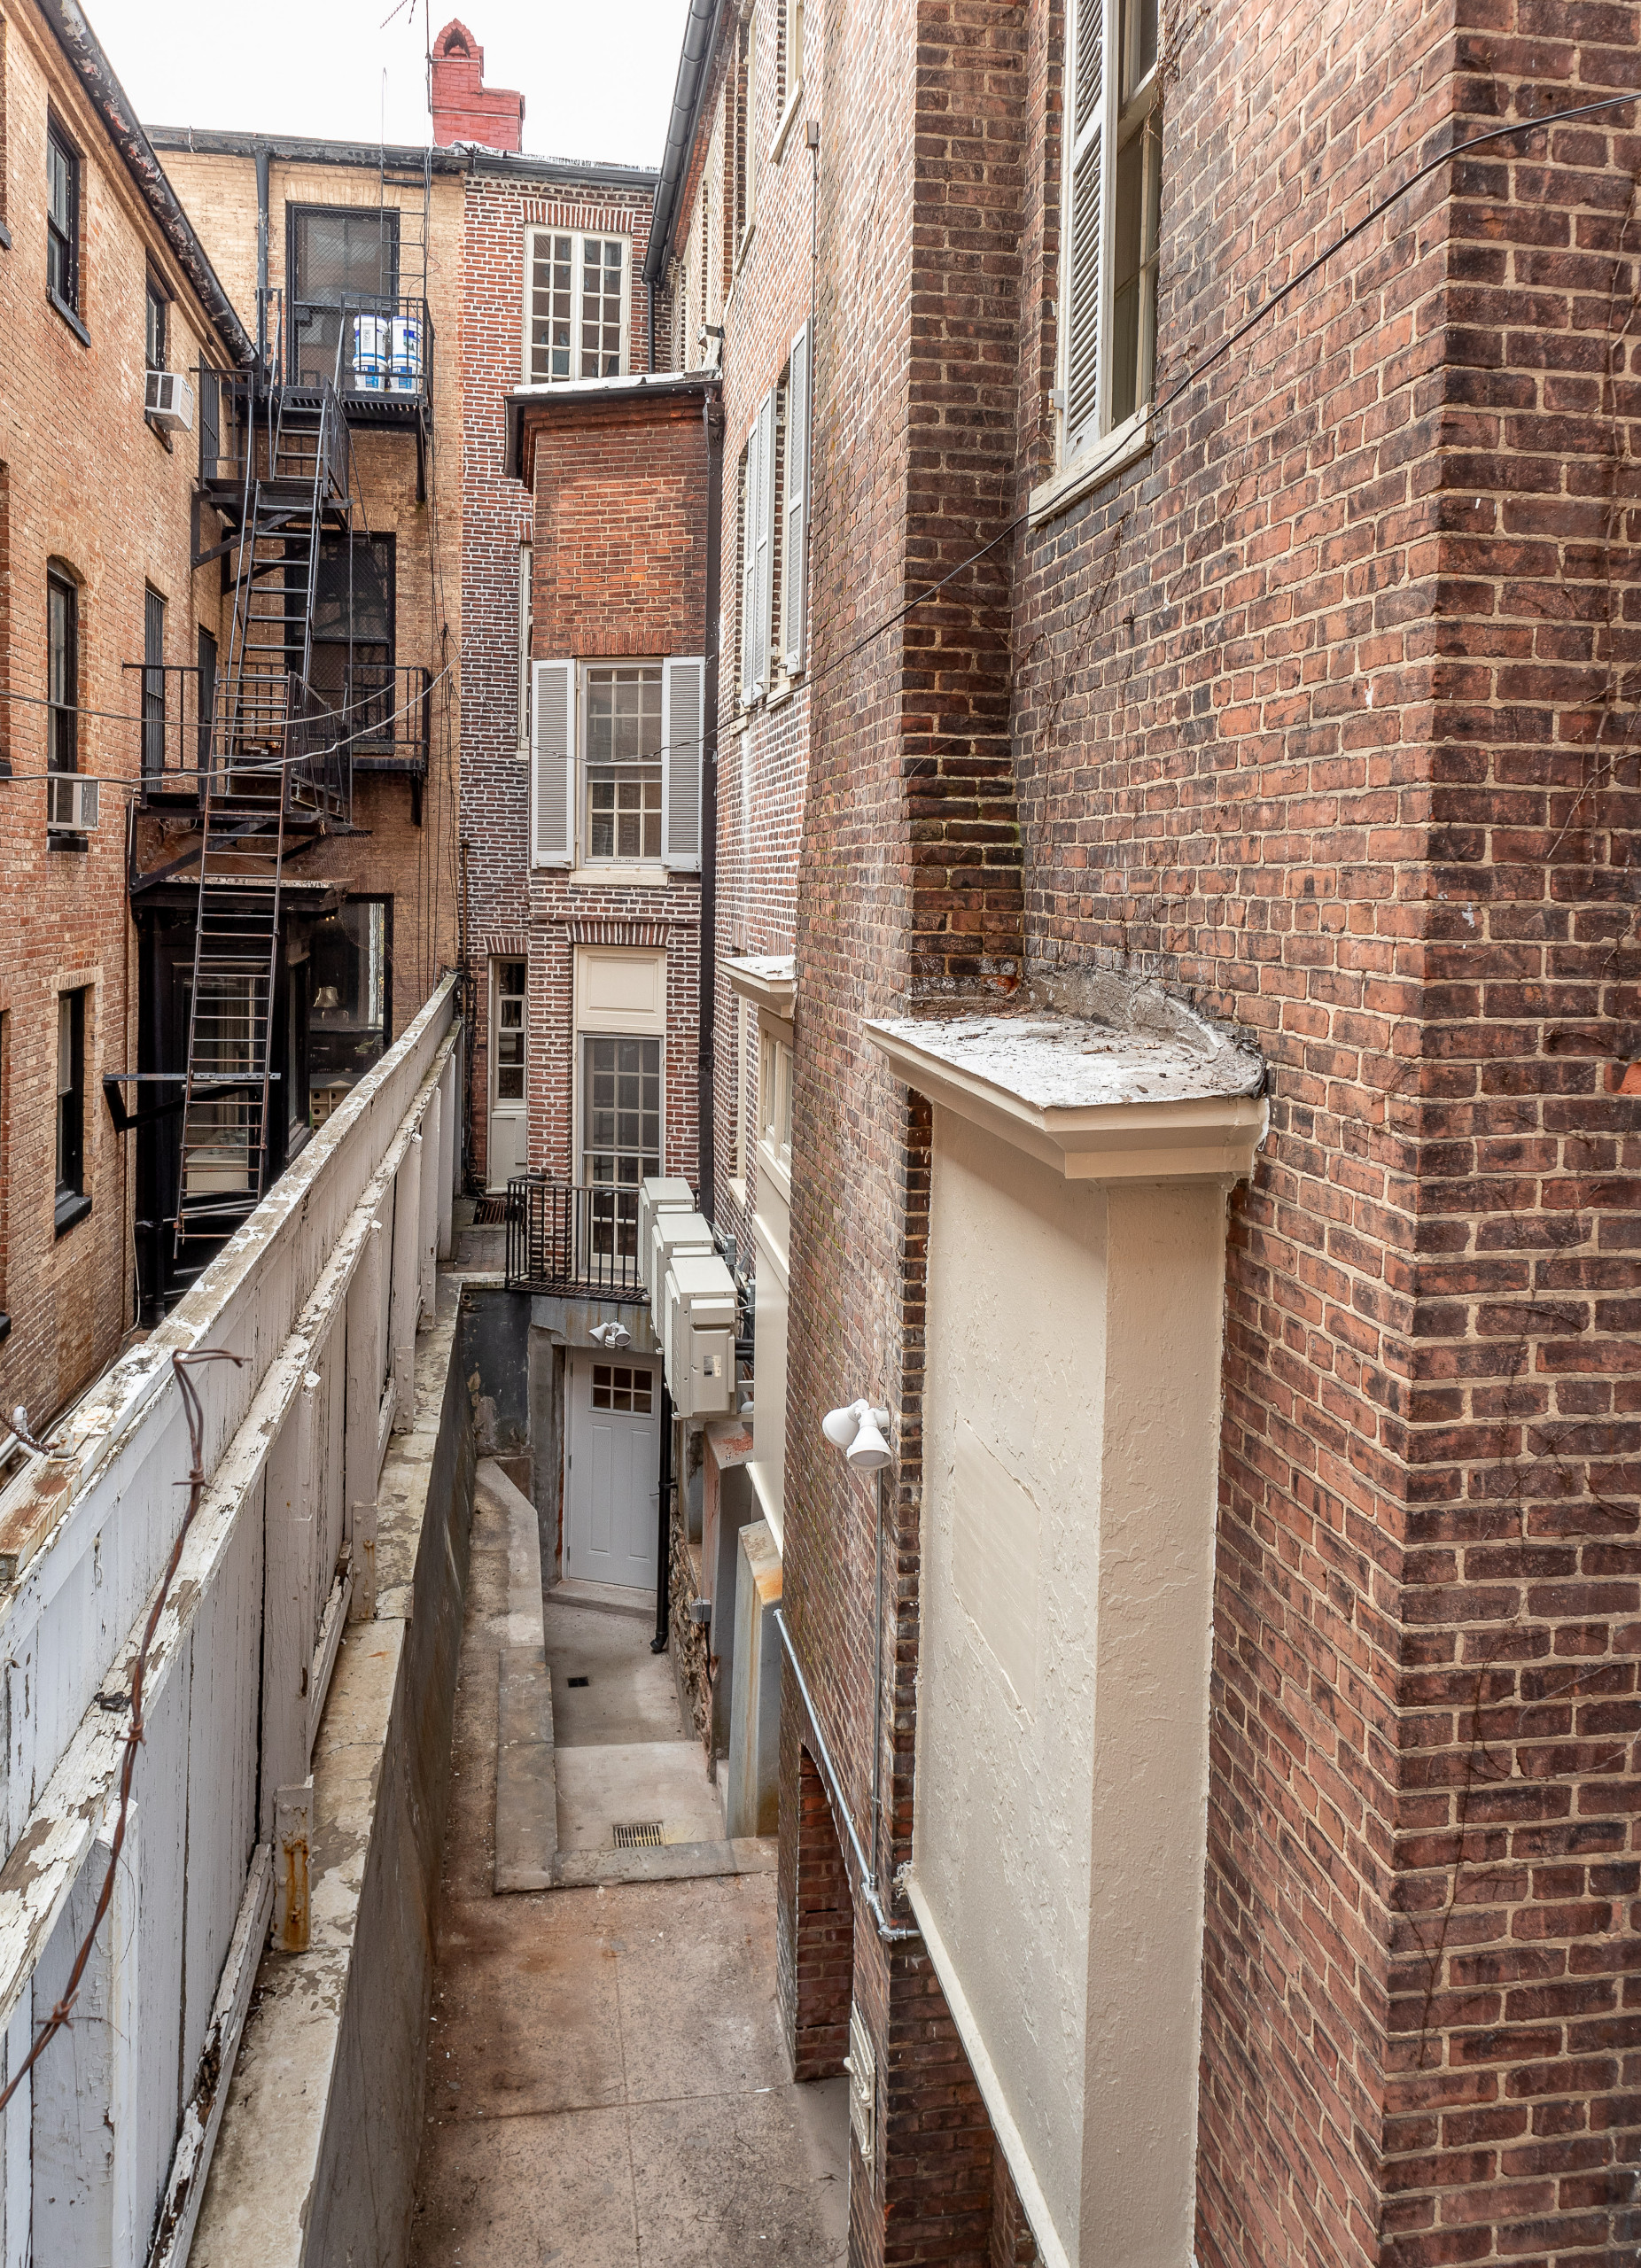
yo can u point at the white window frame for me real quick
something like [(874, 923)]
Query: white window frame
[(527, 567), (584, 859), (582, 1035), (579, 239), (1093, 439)]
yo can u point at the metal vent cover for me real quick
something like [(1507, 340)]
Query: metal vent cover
[(640, 1835)]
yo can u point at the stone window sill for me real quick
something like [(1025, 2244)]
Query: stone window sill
[(795, 100), (70, 317), (1092, 467), (618, 877), (72, 1205)]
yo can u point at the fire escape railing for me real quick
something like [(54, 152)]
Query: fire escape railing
[(568, 1238)]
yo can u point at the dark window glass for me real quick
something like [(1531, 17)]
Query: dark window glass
[(154, 682), (208, 694), (621, 1137), (355, 582), (62, 686), (154, 339), (350, 1007), (338, 259), (70, 1099), (62, 216), (510, 1033), (210, 399)]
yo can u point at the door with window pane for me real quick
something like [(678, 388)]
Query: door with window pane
[(620, 1136), (508, 1152)]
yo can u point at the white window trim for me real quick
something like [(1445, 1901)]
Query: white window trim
[(496, 1101), (1104, 450), (526, 565), (602, 872), (579, 237), (793, 103), (578, 1097)]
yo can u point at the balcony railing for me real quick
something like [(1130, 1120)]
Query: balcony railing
[(378, 355), (387, 709), (281, 722), (580, 1240), (174, 735)]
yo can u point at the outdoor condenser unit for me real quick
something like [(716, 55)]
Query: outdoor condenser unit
[(170, 401), (671, 1234), (660, 1193), (70, 804), (699, 1338)]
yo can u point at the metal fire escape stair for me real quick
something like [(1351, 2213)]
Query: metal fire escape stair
[(276, 773)]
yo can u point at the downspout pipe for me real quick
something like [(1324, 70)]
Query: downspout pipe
[(892, 1932), (713, 418)]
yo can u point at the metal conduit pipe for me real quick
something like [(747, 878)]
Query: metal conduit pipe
[(892, 1932)]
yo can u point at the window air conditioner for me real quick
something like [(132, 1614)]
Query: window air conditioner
[(170, 401), (70, 804)]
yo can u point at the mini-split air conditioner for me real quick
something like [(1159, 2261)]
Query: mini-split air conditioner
[(170, 401), (698, 1338)]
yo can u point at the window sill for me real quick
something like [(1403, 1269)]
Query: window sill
[(744, 246), (781, 692), (58, 840), (618, 877), (71, 1206), (5, 246), (69, 317), (777, 148), (737, 1191), (160, 433), (778, 1170), (1092, 466)]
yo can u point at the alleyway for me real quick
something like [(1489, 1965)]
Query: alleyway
[(607, 2085)]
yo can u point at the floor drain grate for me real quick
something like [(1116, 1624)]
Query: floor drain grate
[(640, 1835), (489, 1212)]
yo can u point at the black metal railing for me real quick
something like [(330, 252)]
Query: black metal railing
[(376, 352), (174, 734), (561, 1238), (387, 708)]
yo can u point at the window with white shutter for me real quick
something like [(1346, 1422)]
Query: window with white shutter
[(794, 547), (749, 567), (684, 723), (764, 537), (1113, 198), (552, 765)]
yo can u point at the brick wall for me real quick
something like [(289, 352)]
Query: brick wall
[(464, 108), (84, 480)]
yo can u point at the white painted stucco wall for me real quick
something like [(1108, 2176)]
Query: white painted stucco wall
[(1072, 1431)]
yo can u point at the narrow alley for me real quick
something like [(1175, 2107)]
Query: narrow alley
[(606, 2084)]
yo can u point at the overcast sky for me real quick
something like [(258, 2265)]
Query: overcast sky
[(595, 83)]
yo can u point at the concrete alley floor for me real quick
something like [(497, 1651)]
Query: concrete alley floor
[(607, 2085)]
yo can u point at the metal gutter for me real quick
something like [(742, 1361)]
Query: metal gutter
[(700, 34), (214, 142), (587, 394), (79, 44)]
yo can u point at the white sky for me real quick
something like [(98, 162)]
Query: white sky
[(594, 85)]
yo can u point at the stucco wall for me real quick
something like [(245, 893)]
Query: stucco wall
[(1072, 1413)]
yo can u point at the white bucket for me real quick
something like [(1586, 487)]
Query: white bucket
[(371, 345), (406, 365)]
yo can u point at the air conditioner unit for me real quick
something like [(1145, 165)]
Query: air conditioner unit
[(671, 1234), (669, 1193), (170, 401), (70, 804), (699, 1341)]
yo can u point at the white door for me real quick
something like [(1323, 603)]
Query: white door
[(508, 1147), (611, 1485)]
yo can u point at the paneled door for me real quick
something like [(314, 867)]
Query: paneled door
[(612, 1482)]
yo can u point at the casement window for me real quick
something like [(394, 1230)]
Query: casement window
[(526, 569), (575, 305), (1113, 200), (62, 675), (62, 219), (154, 682), (616, 763), (72, 1204), (156, 325)]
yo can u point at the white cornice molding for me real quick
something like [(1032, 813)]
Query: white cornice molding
[(769, 980)]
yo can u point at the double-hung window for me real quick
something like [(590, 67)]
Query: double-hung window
[(621, 819), (62, 680), (773, 529), (72, 1201), (62, 219), (575, 309), (616, 763), (1113, 200)]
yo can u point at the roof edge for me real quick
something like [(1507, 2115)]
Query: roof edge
[(446, 158), (700, 38), (588, 393), (82, 46)]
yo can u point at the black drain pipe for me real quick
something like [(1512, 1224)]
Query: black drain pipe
[(663, 1529)]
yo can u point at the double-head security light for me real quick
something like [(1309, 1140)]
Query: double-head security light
[(861, 1433), (611, 1334)]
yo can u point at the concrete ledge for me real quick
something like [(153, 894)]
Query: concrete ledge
[(611, 1597), (526, 1781), (749, 1854), (315, 2161)]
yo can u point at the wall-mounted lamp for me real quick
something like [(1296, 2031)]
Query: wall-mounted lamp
[(612, 1335), (861, 1433)]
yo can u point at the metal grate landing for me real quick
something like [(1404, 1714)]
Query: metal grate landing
[(640, 1835)]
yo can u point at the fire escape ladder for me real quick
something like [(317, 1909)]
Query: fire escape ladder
[(277, 769)]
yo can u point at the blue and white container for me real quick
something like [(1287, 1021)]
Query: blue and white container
[(405, 375), (370, 354)]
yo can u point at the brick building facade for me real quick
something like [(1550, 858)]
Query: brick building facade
[(102, 277), (1285, 693)]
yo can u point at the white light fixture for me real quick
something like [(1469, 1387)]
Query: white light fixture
[(612, 1335), (860, 1432)]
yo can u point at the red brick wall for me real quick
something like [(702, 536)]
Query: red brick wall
[(464, 108)]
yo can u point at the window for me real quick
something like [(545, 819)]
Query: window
[(352, 629), (511, 991), (62, 219), (621, 1111), (342, 257), (622, 817), (789, 54), (72, 1204), (742, 1094), (1113, 166), (154, 682), (775, 1099), (349, 1016), (739, 136), (62, 686), (157, 325), (756, 545), (621, 1386), (575, 319), (205, 663), (526, 557)]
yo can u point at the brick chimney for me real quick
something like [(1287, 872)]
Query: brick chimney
[(464, 109)]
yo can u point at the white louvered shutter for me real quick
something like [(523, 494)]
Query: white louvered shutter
[(552, 764), (764, 594), (1085, 202), (793, 534), (683, 719), (748, 573)]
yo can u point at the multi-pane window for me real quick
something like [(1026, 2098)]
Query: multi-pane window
[(70, 1107), (622, 1386), (62, 679), (775, 1098), (62, 217), (622, 818), (154, 682), (510, 1031), (575, 321), (349, 970), (621, 1121), (157, 310), (1114, 184), (344, 270), (788, 52)]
